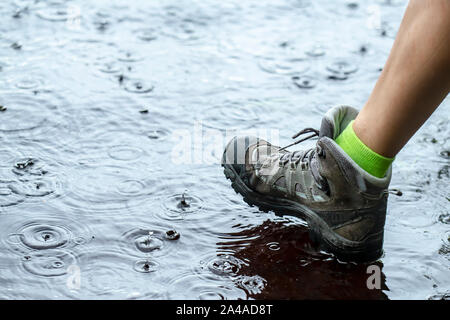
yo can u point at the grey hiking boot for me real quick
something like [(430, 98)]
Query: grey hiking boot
[(345, 206)]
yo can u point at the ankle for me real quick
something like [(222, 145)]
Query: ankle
[(369, 160)]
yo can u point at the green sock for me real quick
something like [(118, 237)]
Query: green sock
[(367, 159)]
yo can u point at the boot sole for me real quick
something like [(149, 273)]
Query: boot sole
[(346, 250)]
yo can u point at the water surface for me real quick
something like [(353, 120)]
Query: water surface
[(97, 97)]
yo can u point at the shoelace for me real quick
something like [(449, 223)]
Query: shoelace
[(309, 155), (304, 131), (293, 157)]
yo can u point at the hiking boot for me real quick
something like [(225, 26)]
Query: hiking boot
[(345, 206)]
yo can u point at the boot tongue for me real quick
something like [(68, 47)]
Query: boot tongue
[(336, 120)]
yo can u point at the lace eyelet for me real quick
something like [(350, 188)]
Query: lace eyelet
[(323, 186), (321, 152), (282, 163)]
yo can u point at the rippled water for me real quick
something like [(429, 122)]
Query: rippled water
[(95, 96)]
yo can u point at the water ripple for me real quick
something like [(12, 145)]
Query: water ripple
[(51, 263), (221, 265), (91, 93), (130, 278), (146, 34), (37, 117), (31, 178), (129, 56), (125, 152), (191, 286), (252, 284), (108, 188), (236, 114), (181, 206), (109, 66), (58, 13), (148, 240), (137, 86), (145, 266), (157, 133), (340, 69), (291, 65), (304, 82), (29, 82), (46, 233)]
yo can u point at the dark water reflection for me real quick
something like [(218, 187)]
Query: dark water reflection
[(284, 254), (98, 100)]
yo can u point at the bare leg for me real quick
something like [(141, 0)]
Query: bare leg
[(414, 81)]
